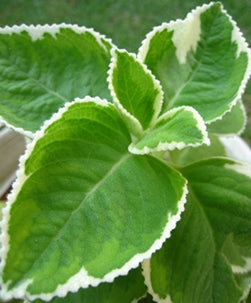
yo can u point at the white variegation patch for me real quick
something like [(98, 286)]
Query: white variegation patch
[(186, 34), (20, 180), (82, 279), (164, 146), (37, 31), (146, 266), (242, 46), (19, 130), (242, 269)]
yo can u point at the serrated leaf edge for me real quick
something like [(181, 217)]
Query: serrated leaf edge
[(164, 146), (36, 32), (184, 24), (21, 177), (81, 279), (237, 37), (158, 100), (242, 269)]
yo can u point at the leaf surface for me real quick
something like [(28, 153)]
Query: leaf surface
[(202, 61), (191, 266), (189, 155), (232, 123), (124, 289), (42, 67), (135, 90), (177, 128), (89, 209)]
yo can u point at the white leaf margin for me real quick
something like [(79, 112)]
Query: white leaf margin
[(133, 121), (36, 32), (241, 168), (237, 269), (164, 146), (81, 279), (146, 270), (184, 42)]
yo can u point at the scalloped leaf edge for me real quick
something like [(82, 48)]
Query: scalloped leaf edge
[(36, 32), (164, 146), (237, 37), (241, 168), (81, 279)]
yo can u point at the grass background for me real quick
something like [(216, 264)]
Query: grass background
[(125, 21)]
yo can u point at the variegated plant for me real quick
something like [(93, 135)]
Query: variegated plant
[(125, 188)]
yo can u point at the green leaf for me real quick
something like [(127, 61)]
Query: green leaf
[(191, 266), (238, 254), (88, 208), (135, 91), (42, 67), (244, 281), (232, 123), (189, 155), (202, 61), (177, 128), (124, 289)]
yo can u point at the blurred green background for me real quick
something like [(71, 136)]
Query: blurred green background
[(125, 21)]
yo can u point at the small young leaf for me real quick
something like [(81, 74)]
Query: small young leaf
[(191, 265), (135, 90), (232, 123), (177, 128), (202, 61), (42, 67), (125, 289), (88, 208)]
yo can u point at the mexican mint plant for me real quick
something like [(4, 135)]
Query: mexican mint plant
[(125, 190)]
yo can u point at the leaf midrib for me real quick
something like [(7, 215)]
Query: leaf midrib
[(172, 101), (37, 82), (123, 158)]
